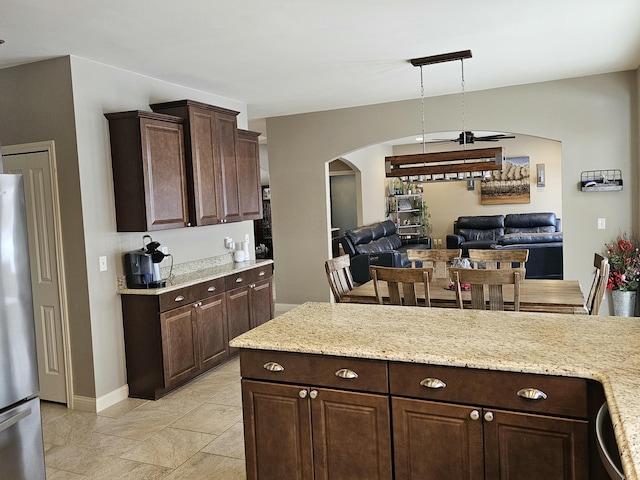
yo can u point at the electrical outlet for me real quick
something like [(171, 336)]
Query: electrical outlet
[(165, 250), (602, 223), (103, 264)]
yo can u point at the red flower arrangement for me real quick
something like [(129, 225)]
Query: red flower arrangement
[(624, 261)]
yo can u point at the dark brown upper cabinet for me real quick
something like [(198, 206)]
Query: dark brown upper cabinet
[(248, 164), (148, 158), (221, 180)]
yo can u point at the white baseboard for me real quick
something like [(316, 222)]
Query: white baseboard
[(95, 405)]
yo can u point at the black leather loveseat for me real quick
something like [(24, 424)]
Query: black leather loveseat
[(540, 233), (377, 244)]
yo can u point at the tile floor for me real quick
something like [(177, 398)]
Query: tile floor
[(192, 433)]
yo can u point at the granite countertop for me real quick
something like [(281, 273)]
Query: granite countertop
[(606, 349), (193, 273)]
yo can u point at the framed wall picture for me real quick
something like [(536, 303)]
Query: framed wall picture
[(509, 185)]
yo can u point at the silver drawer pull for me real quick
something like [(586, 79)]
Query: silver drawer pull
[(211, 289), (273, 367), (179, 298), (346, 373), (532, 394), (261, 274), (434, 383), (239, 280)]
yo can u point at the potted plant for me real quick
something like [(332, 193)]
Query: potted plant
[(624, 273)]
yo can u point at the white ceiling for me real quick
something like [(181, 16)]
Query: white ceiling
[(292, 56)]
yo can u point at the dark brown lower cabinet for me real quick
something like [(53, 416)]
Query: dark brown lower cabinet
[(301, 432), (434, 440)]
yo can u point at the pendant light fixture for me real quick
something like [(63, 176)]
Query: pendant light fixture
[(453, 165)]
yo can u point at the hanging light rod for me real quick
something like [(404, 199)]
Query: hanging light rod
[(443, 57)]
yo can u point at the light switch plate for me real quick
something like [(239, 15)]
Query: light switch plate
[(103, 264), (602, 223)]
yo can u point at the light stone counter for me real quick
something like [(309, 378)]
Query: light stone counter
[(606, 349), (192, 273)]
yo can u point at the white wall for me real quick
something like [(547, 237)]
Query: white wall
[(593, 117), (98, 89)]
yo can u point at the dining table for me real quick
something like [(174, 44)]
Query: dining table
[(536, 295)]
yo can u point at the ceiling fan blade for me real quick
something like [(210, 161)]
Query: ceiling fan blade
[(494, 138)]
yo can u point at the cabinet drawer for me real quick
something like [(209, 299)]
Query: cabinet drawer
[(564, 395), (248, 276), (191, 294), (318, 370)]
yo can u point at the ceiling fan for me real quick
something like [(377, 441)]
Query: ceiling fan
[(469, 137)]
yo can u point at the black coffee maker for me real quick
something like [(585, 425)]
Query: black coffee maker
[(142, 267)]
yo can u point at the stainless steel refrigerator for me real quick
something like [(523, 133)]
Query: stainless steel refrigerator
[(21, 445)]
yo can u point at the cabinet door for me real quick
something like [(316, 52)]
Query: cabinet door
[(164, 174), (227, 135), (261, 302), (179, 345), (238, 312), (205, 170), (351, 435), (433, 441), (212, 316), (524, 446), (277, 431), (248, 161)]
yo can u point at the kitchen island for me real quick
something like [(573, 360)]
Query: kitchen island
[(602, 349)]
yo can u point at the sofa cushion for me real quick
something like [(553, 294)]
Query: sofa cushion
[(480, 227), (529, 222), (530, 238)]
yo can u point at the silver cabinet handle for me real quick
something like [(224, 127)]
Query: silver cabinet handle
[(346, 374), (313, 394), (211, 289), (261, 274), (434, 383), (532, 394), (303, 393), (239, 280), (488, 416), (273, 367), (474, 415), (179, 298)]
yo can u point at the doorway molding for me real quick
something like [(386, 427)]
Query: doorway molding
[(49, 148)]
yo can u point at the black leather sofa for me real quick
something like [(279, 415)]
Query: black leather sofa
[(540, 233), (377, 244)]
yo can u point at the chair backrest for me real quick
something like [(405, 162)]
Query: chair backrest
[(339, 276), (439, 260), (599, 285), (494, 280), (401, 284), (497, 259)]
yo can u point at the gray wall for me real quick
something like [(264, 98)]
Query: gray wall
[(594, 117)]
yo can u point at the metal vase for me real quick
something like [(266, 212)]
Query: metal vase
[(624, 303)]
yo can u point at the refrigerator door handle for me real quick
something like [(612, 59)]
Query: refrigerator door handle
[(15, 419)]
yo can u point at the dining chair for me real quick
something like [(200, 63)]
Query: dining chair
[(339, 275), (439, 260), (599, 285), (401, 284), (497, 259), (494, 280)]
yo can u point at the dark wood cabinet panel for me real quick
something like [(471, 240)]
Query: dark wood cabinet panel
[(262, 305), (179, 344), (520, 446), (248, 162), (238, 312), (351, 435), (298, 432), (148, 162), (214, 339), (435, 440), (211, 156), (277, 431)]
